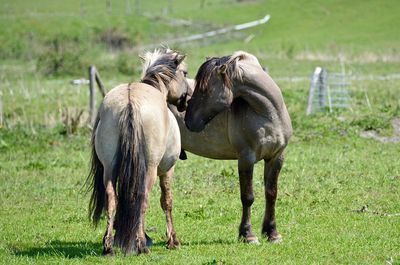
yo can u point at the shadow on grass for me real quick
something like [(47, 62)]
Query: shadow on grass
[(83, 249), (198, 243), (62, 249), (209, 242)]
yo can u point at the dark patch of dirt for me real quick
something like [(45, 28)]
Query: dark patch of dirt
[(384, 139)]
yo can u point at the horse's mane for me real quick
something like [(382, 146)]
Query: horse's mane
[(159, 67), (231, 72)]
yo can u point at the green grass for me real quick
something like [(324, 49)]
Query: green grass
[(323, 181), (329, 172)]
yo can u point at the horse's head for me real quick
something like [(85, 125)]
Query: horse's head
[(212, 93), (165, 70), (179, 87)]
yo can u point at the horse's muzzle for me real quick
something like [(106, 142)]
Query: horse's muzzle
[(194, 127), (182, 103)]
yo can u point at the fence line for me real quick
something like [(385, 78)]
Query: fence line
[(388, 77), (95, 79), (222, 31), (214, 32), (328, 91)]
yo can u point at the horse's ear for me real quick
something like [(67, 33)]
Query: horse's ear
[(179, 59), (241, 57), (222, 69)]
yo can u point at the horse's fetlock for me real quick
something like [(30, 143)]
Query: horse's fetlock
[(269, 228)]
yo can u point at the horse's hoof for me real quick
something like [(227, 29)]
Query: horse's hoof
[(108, 252), (249, 240), (143, 250), (254, 242), (173, 244), (275, 239), (149, 241)]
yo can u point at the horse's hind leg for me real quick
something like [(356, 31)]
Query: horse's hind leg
[(272, 169), (111, 204), (246, 165), (166, 205), (140, 244)]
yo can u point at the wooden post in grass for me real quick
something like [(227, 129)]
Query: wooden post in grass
[(94, 78), (99, 83), (92, 97)]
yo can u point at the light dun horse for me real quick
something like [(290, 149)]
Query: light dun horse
[(247, 120), (136, 138)]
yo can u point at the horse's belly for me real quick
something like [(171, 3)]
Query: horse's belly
[(203, 145)]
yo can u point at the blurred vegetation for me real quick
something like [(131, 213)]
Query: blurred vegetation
[(62, 56), (358, 30)]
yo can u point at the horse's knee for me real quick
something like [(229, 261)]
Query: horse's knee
[(247, 199)]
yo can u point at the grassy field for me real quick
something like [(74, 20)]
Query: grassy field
[(330, 171)]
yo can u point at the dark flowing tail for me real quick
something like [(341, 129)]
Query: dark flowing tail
[(131, 167), (95, 183)]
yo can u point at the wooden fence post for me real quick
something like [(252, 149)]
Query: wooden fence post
[(99, 83), (92, 91)]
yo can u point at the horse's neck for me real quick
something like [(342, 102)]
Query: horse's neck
[(163, 89), (259, 91)]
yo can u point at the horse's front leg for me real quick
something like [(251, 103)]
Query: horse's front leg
[(272, 169), (166, 205), (246, 165), (111, 204)]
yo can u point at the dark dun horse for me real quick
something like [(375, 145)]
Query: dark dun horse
[(136, 138), (246, 120)]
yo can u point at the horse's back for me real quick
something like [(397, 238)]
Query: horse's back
[(150, 106)]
